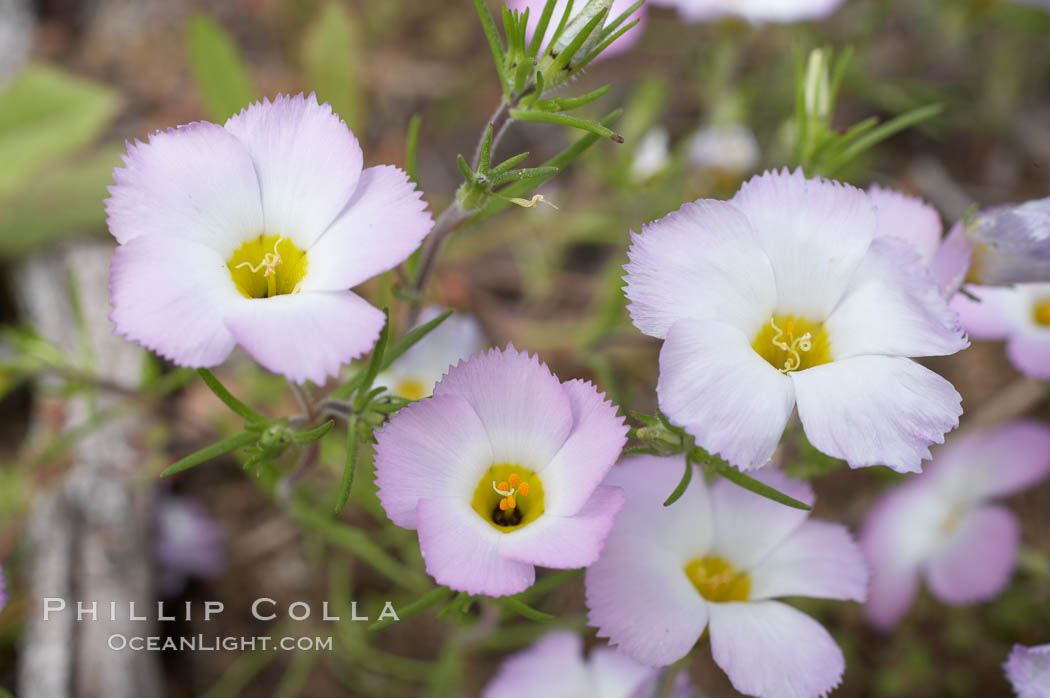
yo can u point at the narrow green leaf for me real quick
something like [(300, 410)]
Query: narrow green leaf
[(375, 365), (412, 148), (488, 25), (524, 174), (507, 164), (350, 466), (526, 611), (749, 483), (433, 598), (568, 103), (881, 133), (46, 115), (391, 355), (315, 434), (220, 73), (613, 24), (332, 49), (242, 410), (644, 418), (687, 477), (562, 23), (522, 73), (541, 28), (565, 120), (604, 44), (464, 168), (485, 159), (562, 61), (210, 452)]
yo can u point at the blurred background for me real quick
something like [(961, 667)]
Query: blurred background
[(87, 421)]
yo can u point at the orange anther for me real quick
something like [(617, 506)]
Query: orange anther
[(523, 489), (513, 479), (503, 505), (503, 486), (510, 502)]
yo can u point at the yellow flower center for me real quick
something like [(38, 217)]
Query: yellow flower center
[(411, 389), (1042, 312), (269, 265), (791, 343), (508, 497), (716, 579)]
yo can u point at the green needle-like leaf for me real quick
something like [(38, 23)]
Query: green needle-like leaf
[(374, 366), (213, 451), (412, 148), (604, 44), (749, 483), (565, 120), (464, 168), (242, 410), (541, 28), (350, 466), (488, 25), (568, 103), (507, 164), (485, 158), (687, 477), (526, 611), (881, 133), (316, 434), (433, 598), (562, 60)]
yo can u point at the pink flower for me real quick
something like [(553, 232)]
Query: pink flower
[(1028, 670), (754, 11), (943, 525), (627, 41), (501, 471), (716, 559), (554, 667), (252, 233), (1018, 314), (788, 296)]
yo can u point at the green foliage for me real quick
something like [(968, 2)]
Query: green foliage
[(222, 78), (331, 57)]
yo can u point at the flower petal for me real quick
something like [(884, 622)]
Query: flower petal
[(952, 260), (566, 542), (876, 410), (170, 294), (907, 218), (749, 526), (714, 385), (1029, 352), (770, 649), (431, 449), (553, 667), (993, 315), (701, 261), (524, 408), (597, 438), (196, 182), (307, 160), (615, 675), (893, 307), (814, 232), (890, 595), (1028, 670), (976, 565), (305, 336), (383, 223), (820, 559), (639, 597), (993, 463), (459, 549)]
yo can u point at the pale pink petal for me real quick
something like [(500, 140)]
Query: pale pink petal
[(992, 316), (553, 667), (890, 595), (952, 261), (907, 218), (1028, 670), (876, 410), (307, 160), (819, 559), (170, 295), (701, 261), (996, 462), (305, 336), (196, 182), (893, 307), (431, 449), (383, 223), (639, 597), (598, 435), (459, 549), (615, 675), (754, 11), (977, 563), (769, 649), (749, 526), (1029, 351), (566, 542), (729, 398), (526, 411), (815, 233)]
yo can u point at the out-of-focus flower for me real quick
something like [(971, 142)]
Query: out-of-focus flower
[(785, 296), (728, 150), (501, 471), (554, 667), (1019, 314), (3, 590), (618, 7), (754, 11), (942, 525), (252, 233), (1009, 244), (652, 154), (1028, 671), (187, 543), (716, 559), (413, 375)]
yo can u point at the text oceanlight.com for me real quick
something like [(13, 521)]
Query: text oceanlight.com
[(214, 643)]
